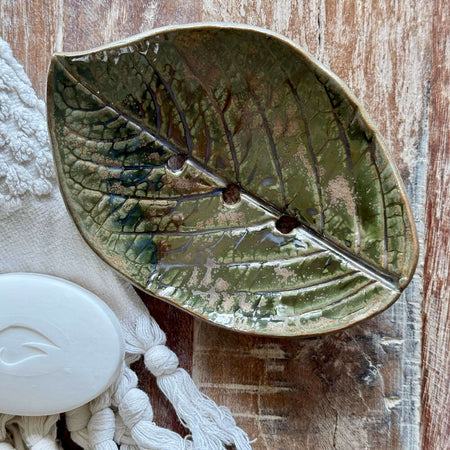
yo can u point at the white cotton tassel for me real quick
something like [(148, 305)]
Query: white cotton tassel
[(76, 423), (4, 438), (102, 424), (6, 446), (137, 414), (211, 426), (16, 437), (123, 436), (39, 433)]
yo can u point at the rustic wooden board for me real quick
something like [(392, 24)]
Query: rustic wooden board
[(359, 388), (436, 331)]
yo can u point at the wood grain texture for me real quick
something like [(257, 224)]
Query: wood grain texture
[(359, 388), (33, 29), (436, 340)]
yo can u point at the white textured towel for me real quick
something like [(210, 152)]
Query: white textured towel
[(37, 235)]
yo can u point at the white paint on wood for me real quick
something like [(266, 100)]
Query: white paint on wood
[(59, 38)]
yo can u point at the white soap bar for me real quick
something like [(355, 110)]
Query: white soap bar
[(60, 345)]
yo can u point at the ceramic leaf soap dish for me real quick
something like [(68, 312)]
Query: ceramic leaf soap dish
[(221, 168)]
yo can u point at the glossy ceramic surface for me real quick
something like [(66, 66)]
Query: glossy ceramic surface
[(223, 169)]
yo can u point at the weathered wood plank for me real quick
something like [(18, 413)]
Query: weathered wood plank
[(327, 392), (436, 343), (96, 23), (33, 30)]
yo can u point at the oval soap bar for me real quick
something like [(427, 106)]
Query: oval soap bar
[(60, 345)]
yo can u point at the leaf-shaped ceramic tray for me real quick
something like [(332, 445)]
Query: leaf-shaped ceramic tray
[(221, 168)]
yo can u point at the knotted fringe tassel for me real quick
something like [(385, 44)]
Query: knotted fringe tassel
[(76, 423), (34, 433), (211, 426), (15, 437), (123, 437), (137, 415), (5, 436), (101, 426), (96, 426)]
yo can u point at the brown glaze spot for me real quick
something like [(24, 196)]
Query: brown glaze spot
[(231, 194), (162, 248), (285, 224), (176, 162)]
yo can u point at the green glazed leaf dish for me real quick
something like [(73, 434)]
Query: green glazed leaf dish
[(221, 168)]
